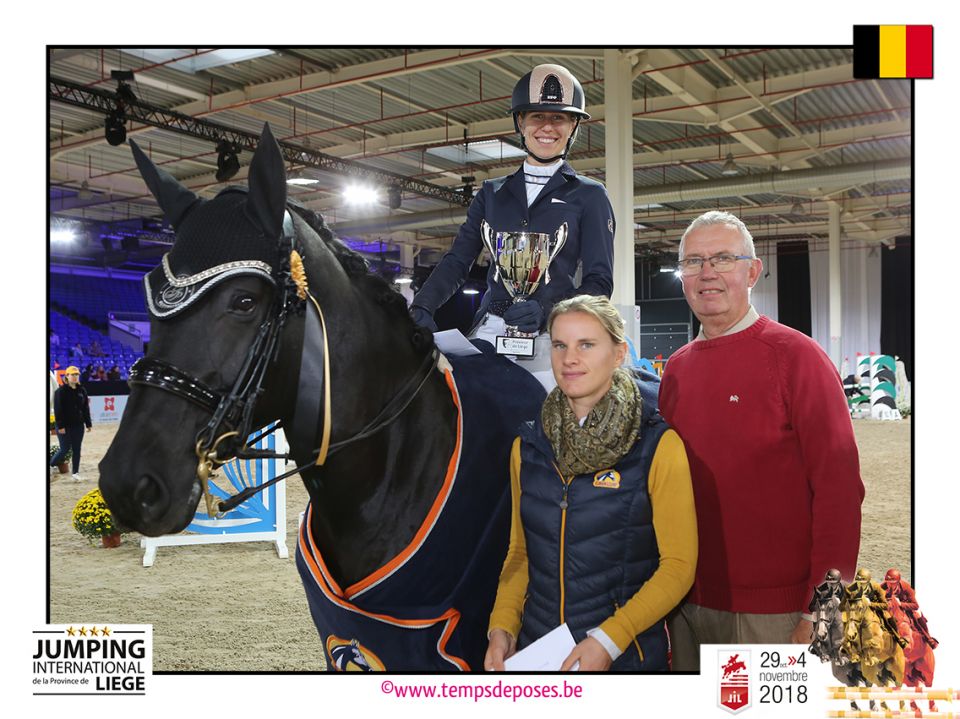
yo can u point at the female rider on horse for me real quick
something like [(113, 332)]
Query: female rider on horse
[(603, 531), (543, 194)]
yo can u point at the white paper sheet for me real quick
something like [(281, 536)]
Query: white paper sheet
[(544, 655), (453, 343)]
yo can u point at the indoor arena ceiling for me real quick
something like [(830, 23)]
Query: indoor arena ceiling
[(772, 134)]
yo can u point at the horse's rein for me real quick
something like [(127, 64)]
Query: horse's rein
[(393, 409)]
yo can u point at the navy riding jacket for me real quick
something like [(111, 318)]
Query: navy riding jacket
[(590, 540), (579, 201)]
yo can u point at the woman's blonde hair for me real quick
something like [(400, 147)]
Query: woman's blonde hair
[(599, 307)]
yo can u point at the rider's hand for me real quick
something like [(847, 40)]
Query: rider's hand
[(526, 316), (423, 317)]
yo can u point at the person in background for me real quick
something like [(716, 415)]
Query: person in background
[(603, 533), (87, 374), (774, 462), (114, 373), (94, 349), (54, 386), (71, 411), (100, 375), (76, 352), (548, 105), (54, 341)]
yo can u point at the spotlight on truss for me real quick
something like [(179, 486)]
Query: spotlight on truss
[(227, 163)]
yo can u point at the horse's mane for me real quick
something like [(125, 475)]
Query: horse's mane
[(358, 270)]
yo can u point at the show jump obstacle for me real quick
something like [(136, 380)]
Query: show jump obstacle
[(262, 518)]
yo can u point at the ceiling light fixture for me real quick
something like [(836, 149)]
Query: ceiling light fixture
[(300, 177), (394, 197), (62, 234), (729, 166), (359, 195), (84, 193), (113, 125)]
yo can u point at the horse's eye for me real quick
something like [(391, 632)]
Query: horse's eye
[(242, 303)]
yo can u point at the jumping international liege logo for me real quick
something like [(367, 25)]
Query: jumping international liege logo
[(92, 658), (734, 679)]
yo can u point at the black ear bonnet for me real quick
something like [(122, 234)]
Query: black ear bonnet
[(238, 232)]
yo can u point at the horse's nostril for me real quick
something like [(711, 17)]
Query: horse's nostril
[(151, 496)]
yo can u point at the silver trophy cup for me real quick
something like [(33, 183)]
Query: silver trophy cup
[(522, 261)]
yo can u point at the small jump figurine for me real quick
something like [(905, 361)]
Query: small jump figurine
[(862, 587), (827, 624), (898, 589)]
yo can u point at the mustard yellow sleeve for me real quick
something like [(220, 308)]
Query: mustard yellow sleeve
[(675, 522), (512, 589)]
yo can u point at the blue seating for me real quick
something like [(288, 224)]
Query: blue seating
[(92, 298), (70, 332)]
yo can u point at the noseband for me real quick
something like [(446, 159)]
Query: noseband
[(232, 412)]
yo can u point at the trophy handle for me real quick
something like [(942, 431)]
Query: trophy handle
[(486, 234), (560, 239)]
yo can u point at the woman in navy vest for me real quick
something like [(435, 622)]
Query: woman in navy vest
[(544, 193), (603, 532)]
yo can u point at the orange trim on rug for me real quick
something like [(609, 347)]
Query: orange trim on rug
[(329, 587), (451, 616), (428, 522), (312, 554), (445, 637)]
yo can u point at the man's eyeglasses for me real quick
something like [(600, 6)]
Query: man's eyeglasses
[(721, 263)]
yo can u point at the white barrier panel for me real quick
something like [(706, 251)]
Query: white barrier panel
[(262, 518), (107, 408)]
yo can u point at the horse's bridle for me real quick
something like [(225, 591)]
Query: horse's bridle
[(232, 411)]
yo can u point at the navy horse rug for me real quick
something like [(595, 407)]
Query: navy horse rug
[(428, 607)]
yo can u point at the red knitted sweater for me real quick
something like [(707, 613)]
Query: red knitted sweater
[(774, 463)]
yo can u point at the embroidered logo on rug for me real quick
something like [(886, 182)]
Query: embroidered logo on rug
[(349, 655), (607, 478)]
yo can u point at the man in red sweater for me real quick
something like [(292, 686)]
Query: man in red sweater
[(773, 458)]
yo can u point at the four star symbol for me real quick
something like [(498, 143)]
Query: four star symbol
[(82, 631)]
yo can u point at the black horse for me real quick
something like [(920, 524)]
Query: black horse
[(259, 313)]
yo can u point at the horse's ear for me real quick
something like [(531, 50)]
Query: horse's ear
[(175, 199), (267, 182)]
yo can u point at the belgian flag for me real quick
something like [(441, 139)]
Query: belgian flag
[(889, 51)]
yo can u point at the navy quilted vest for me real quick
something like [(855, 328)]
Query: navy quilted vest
[(590, 542)]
